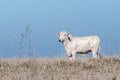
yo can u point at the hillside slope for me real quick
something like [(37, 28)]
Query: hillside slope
[(60, 69)]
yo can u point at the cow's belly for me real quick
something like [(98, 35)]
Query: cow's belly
[(83, 52), (84, 49)]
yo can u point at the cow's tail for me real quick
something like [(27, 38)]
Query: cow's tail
[(99, 52)]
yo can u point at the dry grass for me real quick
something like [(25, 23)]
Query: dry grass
[(60, 69)]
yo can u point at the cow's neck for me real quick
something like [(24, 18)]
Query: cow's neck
[(66, 42)]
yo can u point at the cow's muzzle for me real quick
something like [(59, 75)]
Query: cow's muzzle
[(61, 40)]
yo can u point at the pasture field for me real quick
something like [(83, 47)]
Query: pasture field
[(60, 69)]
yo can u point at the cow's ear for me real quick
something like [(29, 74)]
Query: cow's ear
[(58, 34), (69, 37)]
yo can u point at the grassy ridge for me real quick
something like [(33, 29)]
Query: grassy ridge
[(60, 69)]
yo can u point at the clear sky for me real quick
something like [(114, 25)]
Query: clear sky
[(47, 17)]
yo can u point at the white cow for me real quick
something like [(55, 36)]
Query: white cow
[(82, 45)]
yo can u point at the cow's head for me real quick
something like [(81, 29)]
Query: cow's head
[(64, 36)]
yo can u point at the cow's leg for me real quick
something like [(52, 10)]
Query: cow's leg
[(72, 56), (85, 56), (95, 53)]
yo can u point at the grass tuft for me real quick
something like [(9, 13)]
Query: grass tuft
[(60, 69)]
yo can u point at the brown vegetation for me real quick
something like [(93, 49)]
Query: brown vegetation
[(60, 69)]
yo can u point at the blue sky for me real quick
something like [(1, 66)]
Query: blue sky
[(47, 17)]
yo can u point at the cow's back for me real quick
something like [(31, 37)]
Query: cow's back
[(86, 43)]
